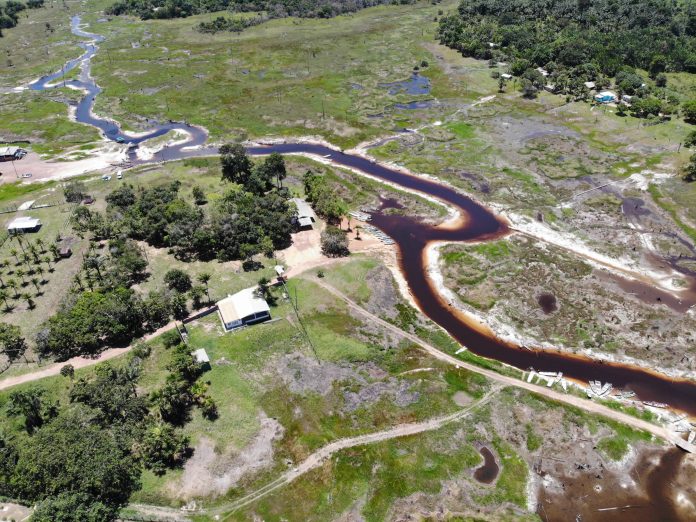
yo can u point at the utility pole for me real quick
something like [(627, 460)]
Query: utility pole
[(295, 307)]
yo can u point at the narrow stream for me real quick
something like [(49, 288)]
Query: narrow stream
[(412, 239)]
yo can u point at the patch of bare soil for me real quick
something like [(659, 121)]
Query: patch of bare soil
[(399, 392), (363, 384), (209, 474), (384, 295), (303, 374), (461, 398), (354, 514)]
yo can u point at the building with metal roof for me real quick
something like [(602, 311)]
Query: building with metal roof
[(243, 308), (24, 224), (305, 214), (11, 153)]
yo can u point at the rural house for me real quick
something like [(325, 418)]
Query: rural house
[(11, 153), (23, 225), (243, 308), (305, 214), (605, 97)]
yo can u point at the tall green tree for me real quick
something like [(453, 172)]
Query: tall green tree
[(12, 342), (236, 165), (31, 405)]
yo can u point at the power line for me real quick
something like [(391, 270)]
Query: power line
[(299, 319)]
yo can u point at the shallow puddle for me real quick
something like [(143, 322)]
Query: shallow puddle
[(489, 471)]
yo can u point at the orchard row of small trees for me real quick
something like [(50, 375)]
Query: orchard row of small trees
[(26, 269)]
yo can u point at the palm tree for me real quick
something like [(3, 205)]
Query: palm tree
[(55, 251), (35, 282), (19, 240), (27, 261), (47, 260), (40, 242), (13, 252), (78, 281), (12, 283), (20, 273), (2, 282), (3, 297), (29, 300), (204, 278), (6, 263), (93, 262)]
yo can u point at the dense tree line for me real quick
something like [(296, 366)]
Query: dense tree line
[(230, 25), (147, 9), (656, 35), (252, 217), (325, 201), (9, 12), (81, 461)]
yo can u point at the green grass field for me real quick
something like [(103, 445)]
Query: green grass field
[(284, 77)]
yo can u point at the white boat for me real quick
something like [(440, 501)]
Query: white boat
[(655, 404)]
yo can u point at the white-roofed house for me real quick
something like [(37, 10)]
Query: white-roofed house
[(11, 153), (243, 308), (24, 224), (605, 97), (305, 215)]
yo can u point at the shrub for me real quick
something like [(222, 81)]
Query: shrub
[(68, 371), (334, 242), (177, 280)]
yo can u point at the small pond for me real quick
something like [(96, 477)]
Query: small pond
[(489, 470), (415, 85)]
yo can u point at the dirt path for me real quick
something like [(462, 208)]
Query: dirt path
[(82, 362), (578, 402), (322, 454)]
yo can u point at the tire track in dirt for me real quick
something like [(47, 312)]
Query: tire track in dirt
[(321, 455)]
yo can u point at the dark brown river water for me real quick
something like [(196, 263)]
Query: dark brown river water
[(656, 481), (412, 238)]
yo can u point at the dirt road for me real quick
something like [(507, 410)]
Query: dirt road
[(322, 454), (578, 402), (81, 362)]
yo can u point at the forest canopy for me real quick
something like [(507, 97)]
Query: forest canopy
[(9, 12), (147, 9), (656, 35)]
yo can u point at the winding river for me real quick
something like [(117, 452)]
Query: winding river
[(412, 237)]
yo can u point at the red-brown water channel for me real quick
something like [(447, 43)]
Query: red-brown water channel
[(412, 239), (480, 224)]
